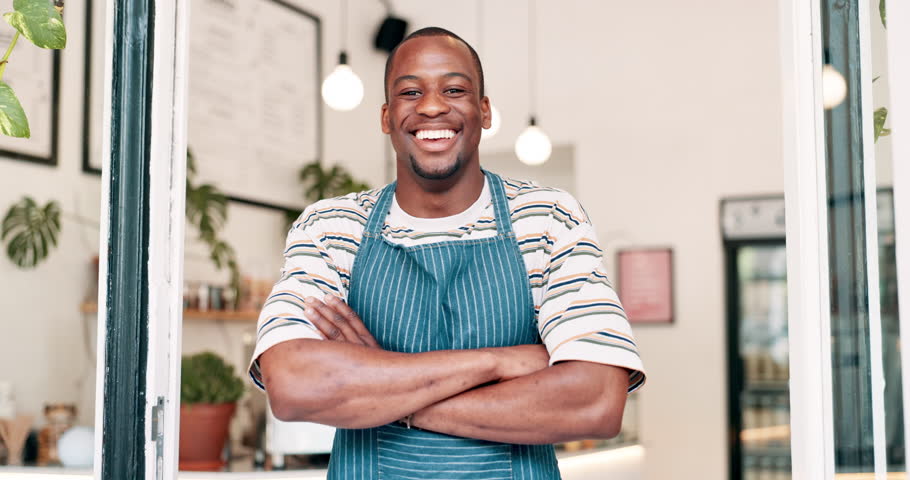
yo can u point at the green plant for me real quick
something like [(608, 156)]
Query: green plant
[(41, 22), (206, 378), (206, 208), (881, 12), (880, 116), (33, 231), (319, 183)]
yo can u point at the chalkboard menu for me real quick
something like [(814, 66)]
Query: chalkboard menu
[(253, 104)]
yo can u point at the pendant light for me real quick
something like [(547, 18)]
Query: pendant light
[(533, 146), (834, 86), (495, 123), (495, 119), (342, 90)]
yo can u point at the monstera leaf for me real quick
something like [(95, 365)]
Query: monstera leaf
[(32, 231), (38, 21), (13, 121)]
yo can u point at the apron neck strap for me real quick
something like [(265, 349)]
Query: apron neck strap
[(500, 205), (380, 210)]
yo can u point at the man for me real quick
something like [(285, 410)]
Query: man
[(412, 317)]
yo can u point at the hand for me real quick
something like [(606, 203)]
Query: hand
[(520, 360), (337, 321)]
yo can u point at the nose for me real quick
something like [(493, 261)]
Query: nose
[(432, 104)]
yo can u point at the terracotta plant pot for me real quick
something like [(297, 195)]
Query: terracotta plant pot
[(203, 433)]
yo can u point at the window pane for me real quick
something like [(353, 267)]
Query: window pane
[(887, 262), (850, 345)]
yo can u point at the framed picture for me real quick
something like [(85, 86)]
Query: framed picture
[(645, 279), (34, 74), (253, 102)]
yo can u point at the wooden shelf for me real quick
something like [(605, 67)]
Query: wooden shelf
[(228, 315)]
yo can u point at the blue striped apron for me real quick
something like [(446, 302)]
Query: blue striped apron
[(461, 294)]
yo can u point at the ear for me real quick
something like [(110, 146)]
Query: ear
[(486, 112), (384, 119)]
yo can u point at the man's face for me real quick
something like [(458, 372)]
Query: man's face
[(435, 112)]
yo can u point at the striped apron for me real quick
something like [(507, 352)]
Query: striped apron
[(463, 294)]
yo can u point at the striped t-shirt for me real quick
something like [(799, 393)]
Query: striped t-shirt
[(579, 315)]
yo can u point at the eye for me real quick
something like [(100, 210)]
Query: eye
[(454, 90), (410, 93)]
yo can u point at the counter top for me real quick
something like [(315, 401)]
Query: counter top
[(573, 465)]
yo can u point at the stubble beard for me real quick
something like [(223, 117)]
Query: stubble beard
[(438, 175)]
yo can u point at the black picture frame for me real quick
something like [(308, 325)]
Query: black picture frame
[(87, 166), (87, 91), (52, 159)]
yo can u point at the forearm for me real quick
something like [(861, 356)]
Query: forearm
[(568, 401), (353, 386)]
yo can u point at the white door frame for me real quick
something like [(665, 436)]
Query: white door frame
[(166, 207), (812, 436), (899, 118), (811, 418)]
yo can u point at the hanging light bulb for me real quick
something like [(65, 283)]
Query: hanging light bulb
[(533, 145), (495, 118), (342, 90), (834, 87), (495, 123)]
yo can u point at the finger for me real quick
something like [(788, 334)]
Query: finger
[(324, 325), (343, 316), (352, 318), (345, 332)]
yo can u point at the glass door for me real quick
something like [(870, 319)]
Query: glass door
[(761, 283), (843, 254)]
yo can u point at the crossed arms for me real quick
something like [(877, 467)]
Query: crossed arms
[(506, 394)]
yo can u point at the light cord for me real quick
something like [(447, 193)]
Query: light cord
[(344, 25), (532, 52), (480, 39)]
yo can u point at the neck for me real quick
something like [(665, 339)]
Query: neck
[(424, 198)]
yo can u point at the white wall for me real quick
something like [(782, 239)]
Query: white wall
[(41, 339), (669, 106)]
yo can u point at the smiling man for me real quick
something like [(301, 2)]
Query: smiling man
[(452, 324)]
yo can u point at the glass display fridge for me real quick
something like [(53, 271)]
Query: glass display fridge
[(758, 395), (757, 352)]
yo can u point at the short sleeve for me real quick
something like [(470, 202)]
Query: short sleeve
[(308, 271), (581, 317)]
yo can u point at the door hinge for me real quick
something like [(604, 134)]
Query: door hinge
[(158, 437)]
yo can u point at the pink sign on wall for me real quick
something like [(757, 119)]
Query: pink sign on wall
[(646, 284)]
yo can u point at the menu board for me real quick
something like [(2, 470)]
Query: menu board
[(254, 100), (253, 103), (32, 73)]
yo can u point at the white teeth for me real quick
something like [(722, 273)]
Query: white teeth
[(434, 134)]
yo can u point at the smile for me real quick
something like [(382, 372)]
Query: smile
[(435, 140), (434, 134)]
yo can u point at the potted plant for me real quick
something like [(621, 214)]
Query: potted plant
[(209, 391)]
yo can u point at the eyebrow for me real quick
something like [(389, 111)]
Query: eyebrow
[(415, 77)]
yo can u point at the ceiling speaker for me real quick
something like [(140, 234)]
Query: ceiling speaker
[(390, 33)]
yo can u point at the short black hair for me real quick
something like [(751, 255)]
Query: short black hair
[(432, 32)]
